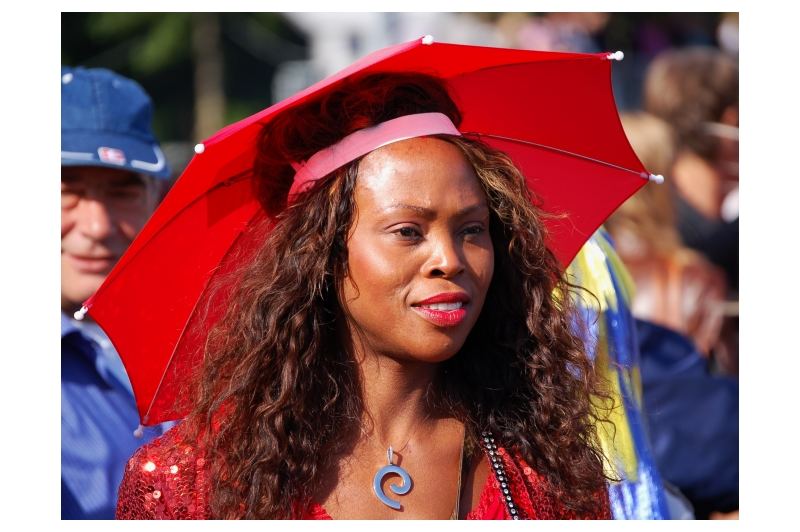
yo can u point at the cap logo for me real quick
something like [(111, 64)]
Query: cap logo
[(111, 155)]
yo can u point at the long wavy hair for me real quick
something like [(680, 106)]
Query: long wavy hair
[(279, 384)]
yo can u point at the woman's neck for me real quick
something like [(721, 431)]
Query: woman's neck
[(395, 395)]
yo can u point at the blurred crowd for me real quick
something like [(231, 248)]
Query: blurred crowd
[(678, 92)]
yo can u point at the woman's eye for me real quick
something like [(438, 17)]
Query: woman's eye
[(408, 233), (473, 230)]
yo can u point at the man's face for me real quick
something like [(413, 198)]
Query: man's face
[(102, 210)]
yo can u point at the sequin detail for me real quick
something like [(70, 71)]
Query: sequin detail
[(175, 486), (163, 482)]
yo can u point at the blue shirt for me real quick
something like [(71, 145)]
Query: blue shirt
[(694, 419), (98, 419)]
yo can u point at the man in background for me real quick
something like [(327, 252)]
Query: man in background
[(696, 91), (112, 176)]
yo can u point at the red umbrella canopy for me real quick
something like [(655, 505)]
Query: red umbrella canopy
[(553, 113)]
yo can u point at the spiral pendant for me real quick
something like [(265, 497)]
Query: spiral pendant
[(390, 469)]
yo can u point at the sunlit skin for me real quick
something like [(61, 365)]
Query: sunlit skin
[(102, 210), (421, 229)]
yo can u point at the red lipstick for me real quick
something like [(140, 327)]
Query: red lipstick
[(447, 309)]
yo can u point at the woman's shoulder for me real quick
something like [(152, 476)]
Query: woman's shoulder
[(536, 497), (164, 479)]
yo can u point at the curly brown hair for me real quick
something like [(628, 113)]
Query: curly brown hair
[(279, 383)]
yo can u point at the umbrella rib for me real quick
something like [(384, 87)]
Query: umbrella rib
[(231, 180), (189, 319), (559, 150)]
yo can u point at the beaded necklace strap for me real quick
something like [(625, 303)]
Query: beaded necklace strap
[(487, 441)]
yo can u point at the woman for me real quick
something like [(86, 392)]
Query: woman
[(399, 320)]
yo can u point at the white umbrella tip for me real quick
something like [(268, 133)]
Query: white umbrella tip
[(139, 432), (616, 56), (656, 178), (80, 314), (428, 39), (199, 148)]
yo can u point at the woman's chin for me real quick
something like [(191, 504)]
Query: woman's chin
[(435, 348)]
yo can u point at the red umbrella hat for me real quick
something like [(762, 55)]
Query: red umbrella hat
[(553, 113)]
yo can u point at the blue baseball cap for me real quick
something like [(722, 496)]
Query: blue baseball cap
[(105, 121)]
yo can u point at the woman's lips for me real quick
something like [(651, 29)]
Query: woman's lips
[(443, 310), (91, 264), (442, 318)]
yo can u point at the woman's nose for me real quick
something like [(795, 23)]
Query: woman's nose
[(446, 258)]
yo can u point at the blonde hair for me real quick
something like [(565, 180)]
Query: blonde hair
[(648, 217)]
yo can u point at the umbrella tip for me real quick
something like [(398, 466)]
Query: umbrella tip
[(139, 432), (655, 178), (616, 56), (79, 314), (199, 148), (428, 39)]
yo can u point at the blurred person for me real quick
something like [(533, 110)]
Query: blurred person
[(693, 420), (728, 33), (696, 91), (675, 286), (674, 445), (692, 414), (112, 175)]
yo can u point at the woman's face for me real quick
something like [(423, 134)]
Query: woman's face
[(420, 255)]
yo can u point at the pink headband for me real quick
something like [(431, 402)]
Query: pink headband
[(366, 140)]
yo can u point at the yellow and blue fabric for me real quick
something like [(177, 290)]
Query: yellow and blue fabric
[(609, 331)]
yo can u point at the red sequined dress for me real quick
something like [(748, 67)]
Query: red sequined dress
[(166, 479)]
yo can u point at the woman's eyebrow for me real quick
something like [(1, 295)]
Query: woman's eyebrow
[(426, 212)]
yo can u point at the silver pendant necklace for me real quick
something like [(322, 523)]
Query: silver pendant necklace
[(406, 483), (389, 469), (393, 469), (495, 461)]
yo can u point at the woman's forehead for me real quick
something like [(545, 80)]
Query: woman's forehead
[(420, 172)]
